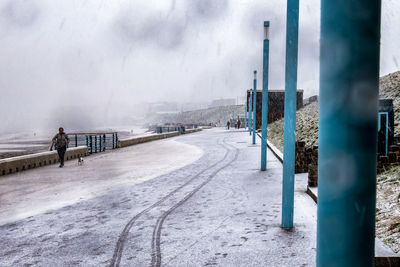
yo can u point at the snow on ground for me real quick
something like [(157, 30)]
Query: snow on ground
[(388, 208), (24, 143), (307, 117), (306, 127), (388, 186), (218, 210), (36, 191), (214, 115)]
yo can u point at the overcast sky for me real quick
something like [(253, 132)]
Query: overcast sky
[(67, 55)]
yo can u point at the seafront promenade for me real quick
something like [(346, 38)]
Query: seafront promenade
[(191, 200)]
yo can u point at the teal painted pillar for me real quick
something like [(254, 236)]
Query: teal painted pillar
[(245, 115), (254, 107), (264, 119), (349, 87), (289, 136), (250, 111)]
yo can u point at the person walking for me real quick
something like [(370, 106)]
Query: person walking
[(228, 124), (61, 142), (238, 124)]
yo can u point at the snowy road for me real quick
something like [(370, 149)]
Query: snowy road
[(218, 210)]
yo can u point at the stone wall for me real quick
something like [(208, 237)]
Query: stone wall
[(301, 158), (313, 168), (152, 137), (391, 160), (307, 160), (21, 163), (276, 105), (26, 162), (143, 139)]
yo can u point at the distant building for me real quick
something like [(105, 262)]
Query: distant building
[(276, 105), (163, 107), (223, 102), (190, 106)]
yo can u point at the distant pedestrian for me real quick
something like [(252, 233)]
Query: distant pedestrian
[(61, 142), (228, 124), (238, 124)]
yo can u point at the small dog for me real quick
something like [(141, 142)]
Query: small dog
[(80, 161)]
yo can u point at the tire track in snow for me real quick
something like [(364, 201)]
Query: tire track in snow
[(119, 247), (156, 239)]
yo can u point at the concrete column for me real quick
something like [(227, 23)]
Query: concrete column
[(289, 136), (264, 119), (349, 87), (254, 107)]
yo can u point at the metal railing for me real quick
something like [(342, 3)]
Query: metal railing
[(96, 142), (174, 128)]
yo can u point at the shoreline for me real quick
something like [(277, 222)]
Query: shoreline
[(24, 143)]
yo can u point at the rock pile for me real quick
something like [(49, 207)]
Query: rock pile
[(389, 161), (388, 186), (301, 160), (389, 87), (313, 168), (307, 117), (307, 161), (388, 208), (306, 127)]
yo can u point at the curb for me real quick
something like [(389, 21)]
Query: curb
[(31, 161), (274, 149), (312, 194), (380, 261)]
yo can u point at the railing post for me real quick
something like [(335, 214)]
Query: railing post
[(349, 88), (76, 140), (91, 144), (104, 142), (264, 118), (289, 133)]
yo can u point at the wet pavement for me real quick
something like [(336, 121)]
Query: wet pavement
[(218, 210)]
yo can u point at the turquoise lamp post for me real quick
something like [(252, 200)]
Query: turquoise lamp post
[(348, 122), (264, 119), (254, 107), (250, 111), (289, 136)]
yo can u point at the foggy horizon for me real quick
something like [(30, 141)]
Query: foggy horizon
[(84, 63)]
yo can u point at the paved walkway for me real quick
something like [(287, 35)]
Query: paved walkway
[(218, 210), (39, 190)]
